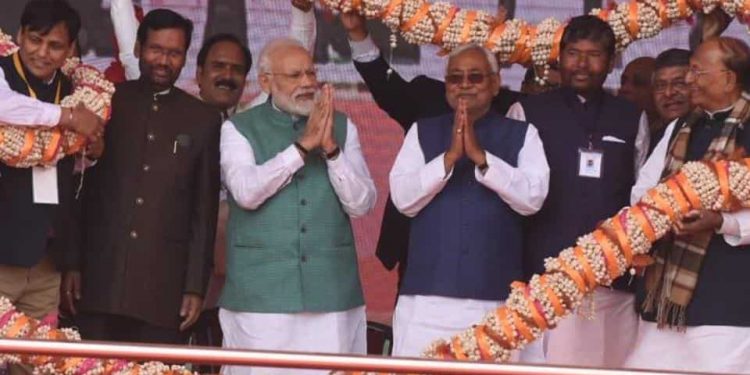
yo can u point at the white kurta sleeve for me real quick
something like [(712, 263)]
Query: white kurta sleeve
[(350, 177), (364, 51), (250, 183), (21, 110), (126, 27), (413, 181), (524, 187), (650, 174)]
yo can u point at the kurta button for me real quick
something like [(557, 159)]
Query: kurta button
[(150, 136), (303, 229), (133, 234), (303, 259), (303, 202), (139, 201), (146, 167)]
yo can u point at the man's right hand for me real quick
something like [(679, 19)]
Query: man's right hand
[(83, 122), (355, 26), (456, 149), (71, 290)]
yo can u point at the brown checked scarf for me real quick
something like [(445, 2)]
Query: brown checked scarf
[(671, 279)]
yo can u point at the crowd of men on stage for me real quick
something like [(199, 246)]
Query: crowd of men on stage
[(487, 184)]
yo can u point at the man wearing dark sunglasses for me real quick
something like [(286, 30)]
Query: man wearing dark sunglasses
[(405, 102), (595, 143), (466, 178)]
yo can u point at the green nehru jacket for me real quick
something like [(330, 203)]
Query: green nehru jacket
[(295, 253)]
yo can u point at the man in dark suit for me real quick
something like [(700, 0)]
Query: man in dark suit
[(405, 102), (150, 203)]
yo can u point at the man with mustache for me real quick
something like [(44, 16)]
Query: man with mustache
[(296, 174), (149, 203), (467, 179), (693, 298), (595, 143), (671, 92)]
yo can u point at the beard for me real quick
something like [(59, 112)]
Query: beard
[(299, 103)]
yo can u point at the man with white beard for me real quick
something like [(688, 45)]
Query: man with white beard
[(295, 173)]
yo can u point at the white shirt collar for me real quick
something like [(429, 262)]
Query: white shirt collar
[(711, 114)]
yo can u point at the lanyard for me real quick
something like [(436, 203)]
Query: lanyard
[(32, 93)]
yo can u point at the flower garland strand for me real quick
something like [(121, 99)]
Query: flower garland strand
[(24, 147), (597, 259), (517, 42), (16, 325)]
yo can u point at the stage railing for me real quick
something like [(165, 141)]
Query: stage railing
[(216, 356)]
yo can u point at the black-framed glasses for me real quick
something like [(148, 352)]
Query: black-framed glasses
[(475, 78)]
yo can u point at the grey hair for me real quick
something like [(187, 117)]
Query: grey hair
[(491, 59), (265, 62)]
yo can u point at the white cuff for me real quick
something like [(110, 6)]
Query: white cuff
[(364, 51), (433, 174), (292, 158)]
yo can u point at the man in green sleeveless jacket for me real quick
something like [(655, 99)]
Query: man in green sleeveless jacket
[(296, 173)]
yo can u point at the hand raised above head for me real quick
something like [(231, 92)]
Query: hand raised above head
[(355, 25), (303, 5)]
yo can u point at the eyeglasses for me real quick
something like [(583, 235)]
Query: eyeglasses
[(676, 85), (474, 78), (296, 76), (697, 72)]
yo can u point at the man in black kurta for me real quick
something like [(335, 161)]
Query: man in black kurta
[(150, 202)]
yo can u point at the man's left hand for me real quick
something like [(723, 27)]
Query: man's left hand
[(473, 149), (303, 5), (190, 310), (328, 143), (698, 221)]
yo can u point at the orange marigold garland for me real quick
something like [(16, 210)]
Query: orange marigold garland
[(16, 325), (23, 146), (517, 42), (721, 186)]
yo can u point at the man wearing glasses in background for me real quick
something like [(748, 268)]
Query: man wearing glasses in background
[(671, 92)]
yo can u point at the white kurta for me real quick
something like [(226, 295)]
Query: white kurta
[(604, 340), (704, 349), (333, 332)]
